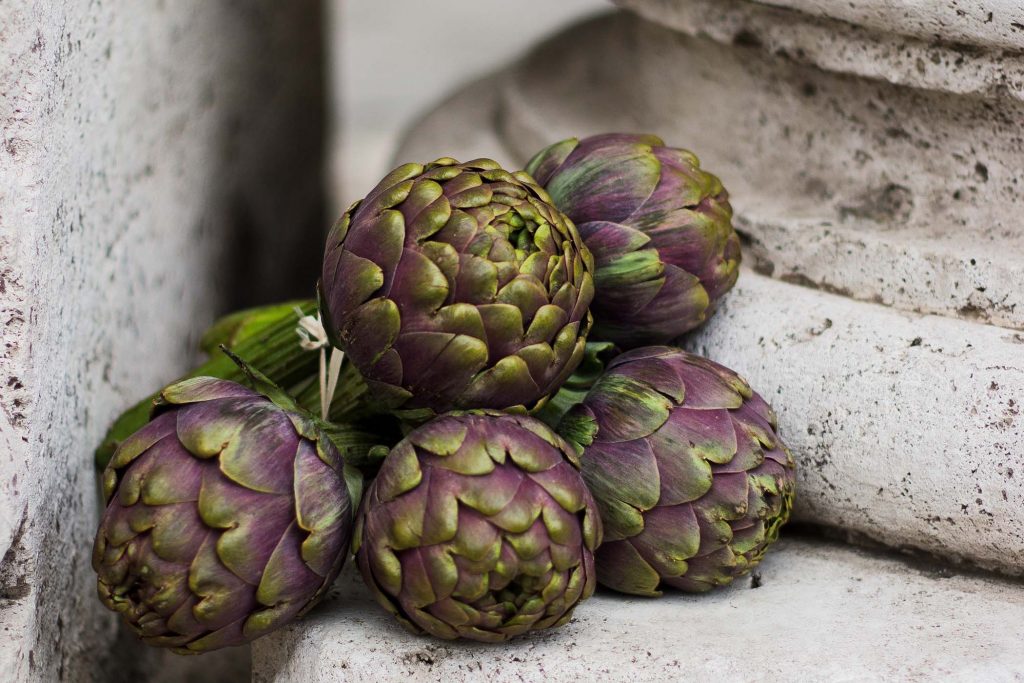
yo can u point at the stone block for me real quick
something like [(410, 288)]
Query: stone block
[(147, 151), (906, 428)]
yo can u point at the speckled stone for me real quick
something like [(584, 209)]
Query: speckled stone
[(881, 192), (839, 183), (906, 428), (881, 309), (143, 148), (873, 39), (989, 23), (814, 611)]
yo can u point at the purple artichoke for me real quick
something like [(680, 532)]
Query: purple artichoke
[(659, 227), (227, 517), (479, 526), (457, 285), (688, 471)]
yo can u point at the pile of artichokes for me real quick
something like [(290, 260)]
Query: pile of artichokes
[(482, 405)]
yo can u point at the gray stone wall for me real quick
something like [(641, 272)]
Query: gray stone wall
[(159, 161)]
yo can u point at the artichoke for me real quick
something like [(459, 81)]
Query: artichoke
[(479, 526), (688, 471), (659, 227), (227, 516), (457, 285)]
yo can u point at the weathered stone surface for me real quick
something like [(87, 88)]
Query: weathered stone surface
[(838, 182), (890, 194), (898, 52), (144, 148), (905, 425), (819, 612), (977, 22), (907, 428)]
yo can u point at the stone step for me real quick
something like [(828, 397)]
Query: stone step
[(813, 611), (905, 425)]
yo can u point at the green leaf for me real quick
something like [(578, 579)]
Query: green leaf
[(235, 328)]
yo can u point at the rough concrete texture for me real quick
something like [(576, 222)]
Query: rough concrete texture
[(906, 428), (890, 194), (905, 425), (839, 182), (144, 148), (928, 62), (813, 612), (977, 22)]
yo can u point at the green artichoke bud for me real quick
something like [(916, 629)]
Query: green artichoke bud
[(457, 285), (660, 229), (227, 517), (690, 476), (479, 526)]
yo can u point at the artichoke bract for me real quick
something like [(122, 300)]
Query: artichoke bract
[(659, 227), (479, 526), (457, 285), (227, 516), (690, 476)]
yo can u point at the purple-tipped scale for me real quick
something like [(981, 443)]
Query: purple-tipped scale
[(227, 517), (687, 468), (457, 285), (659, 227), (479, 526)]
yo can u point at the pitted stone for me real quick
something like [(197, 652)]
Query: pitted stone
[(140, 145), (888, 194), (858, 40), (989, 23)]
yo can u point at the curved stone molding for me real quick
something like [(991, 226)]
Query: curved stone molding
[(907, 429), (996, 23), (889, 194), (890, 51), (906, 426)]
